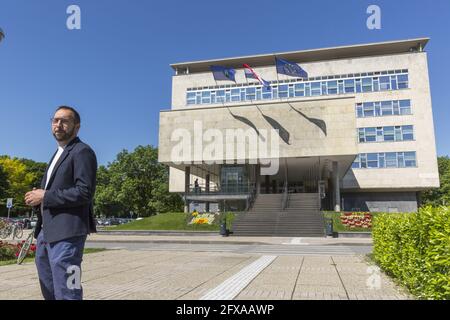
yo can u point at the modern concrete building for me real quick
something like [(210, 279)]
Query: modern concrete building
[(357, 134)]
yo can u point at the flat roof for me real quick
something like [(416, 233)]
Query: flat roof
[(341, 52)]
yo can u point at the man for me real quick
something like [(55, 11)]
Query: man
[(65, 198)]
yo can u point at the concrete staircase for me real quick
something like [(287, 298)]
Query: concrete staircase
[(301, 218)]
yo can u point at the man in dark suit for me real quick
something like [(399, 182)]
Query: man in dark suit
[(66, 201)]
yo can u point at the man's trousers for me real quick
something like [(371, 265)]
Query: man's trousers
[(59, 267)]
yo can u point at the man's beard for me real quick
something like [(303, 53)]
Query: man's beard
[(64, 136)]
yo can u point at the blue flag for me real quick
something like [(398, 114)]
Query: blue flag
[(290, 68), (223, 73)]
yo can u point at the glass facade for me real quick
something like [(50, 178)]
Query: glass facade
[(385, 160), (321, 86), (383, 108), (389, 133)]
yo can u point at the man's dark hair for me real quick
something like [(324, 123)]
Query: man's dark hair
[(76, 115)]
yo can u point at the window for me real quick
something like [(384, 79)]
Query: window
[(371, 134), (385, 160), (361, 135), (291, 90), (339, 84), (402, 81), (250, 94), (405, 106), (315, 89), (206, 97), (384, 83), (372, 160), (363, 158), (235, 95), (332, 87), (386, 108), (283, 91), (359, 110), (394, 82), (266, 93), (190, 97), (376, 84), (367, 84), (349, 86), (368, 109), (391, 133), (220, 96), (355, 164), (299, 90), (396, 108), (407, 133), (377, 106), (391, 160), (388, 134), (410, 159)]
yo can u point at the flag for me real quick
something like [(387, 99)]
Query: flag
[(223, 73), (250, 74), (290, 68)]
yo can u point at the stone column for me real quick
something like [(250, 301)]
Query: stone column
[(207, 191), (187, 180), (258, 178), (337, 191)]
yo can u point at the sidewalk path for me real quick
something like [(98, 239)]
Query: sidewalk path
[(144, 274)]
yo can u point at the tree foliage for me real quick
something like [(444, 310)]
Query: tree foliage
[(135, 182), (441, 195)]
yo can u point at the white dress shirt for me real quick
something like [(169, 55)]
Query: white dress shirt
[(52, 165)]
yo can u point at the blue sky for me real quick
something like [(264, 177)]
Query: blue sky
[(115, 70)]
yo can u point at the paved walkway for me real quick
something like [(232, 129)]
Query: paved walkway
[(145, 274)]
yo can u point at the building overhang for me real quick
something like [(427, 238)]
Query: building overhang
[(324, 54)]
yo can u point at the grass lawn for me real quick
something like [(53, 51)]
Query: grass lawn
[(13, 261), (170, 221), (339, 227)]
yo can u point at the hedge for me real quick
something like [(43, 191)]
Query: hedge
[(415, 249)]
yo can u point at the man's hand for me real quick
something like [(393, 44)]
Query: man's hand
[(35, 197)]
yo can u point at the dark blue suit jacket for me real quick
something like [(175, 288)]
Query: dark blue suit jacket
[(68, 201)]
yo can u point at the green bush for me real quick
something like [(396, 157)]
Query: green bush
[(415, 249)]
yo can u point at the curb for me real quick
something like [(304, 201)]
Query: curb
[(178, 242), (157, 233), (354, 234)]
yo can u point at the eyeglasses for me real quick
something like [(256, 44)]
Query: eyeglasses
[(64, 121)]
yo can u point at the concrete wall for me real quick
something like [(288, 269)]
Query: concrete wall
[(305, 138), (380, 201)]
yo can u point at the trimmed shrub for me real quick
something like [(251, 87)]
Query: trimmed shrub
[(415, 249)]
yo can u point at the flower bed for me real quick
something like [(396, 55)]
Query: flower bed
[(203, 218), (356, 220), (9, 251)]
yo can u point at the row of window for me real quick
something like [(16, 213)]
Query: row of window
[(383, 108), (389, 133), (299, 89), (385, 160)]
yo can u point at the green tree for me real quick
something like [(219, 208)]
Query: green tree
[(135, 182), (37, 169), (4, 186), (19, 178), (441, 195)]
